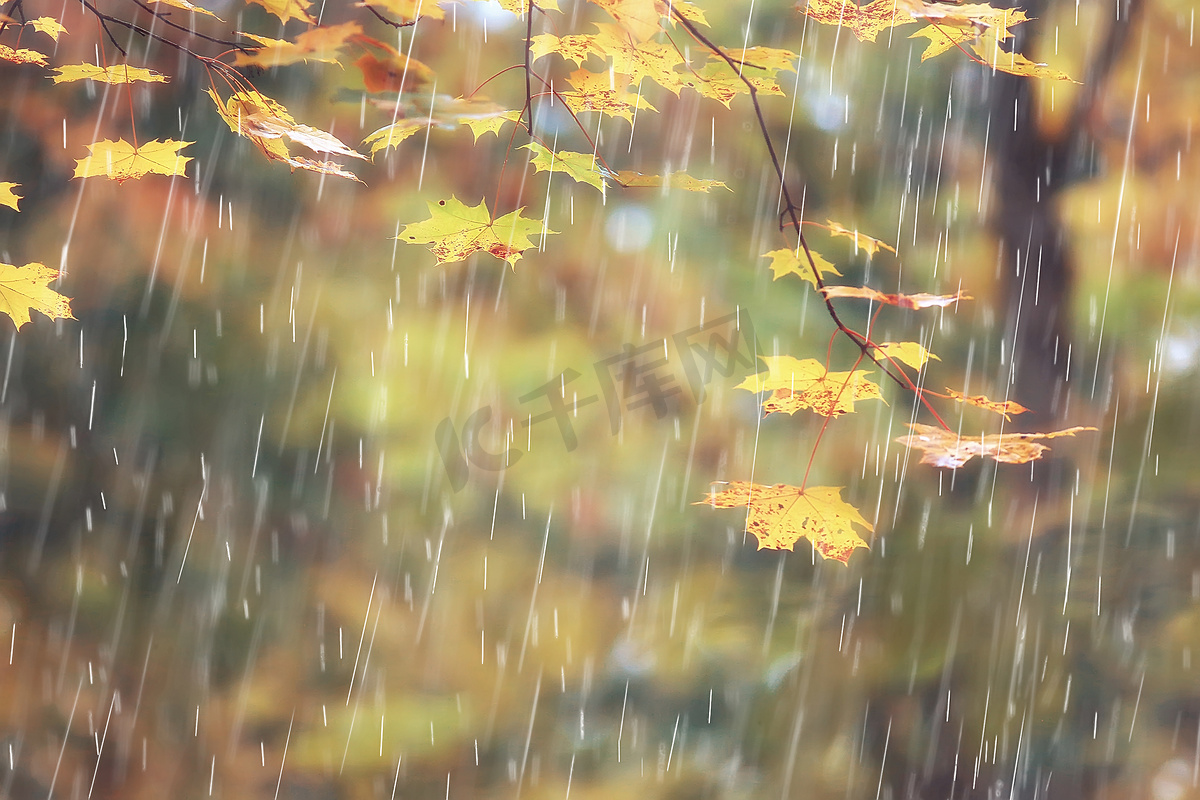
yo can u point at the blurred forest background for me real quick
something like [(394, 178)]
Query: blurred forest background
[(233, 562)]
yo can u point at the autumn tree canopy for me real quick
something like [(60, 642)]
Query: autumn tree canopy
[(614, 60)]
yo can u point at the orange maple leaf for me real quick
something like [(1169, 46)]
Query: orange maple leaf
[(1005, 408), (23, 289), (946, 449), (910, 301), (780, 515)]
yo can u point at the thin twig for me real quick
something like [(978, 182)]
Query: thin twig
[(164, 18), (529, 64), (790, 206), (388, 21)]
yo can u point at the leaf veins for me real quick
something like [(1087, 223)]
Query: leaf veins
[(455, 231), (796, 384), (780, 515), (24, 289), (121, 161)]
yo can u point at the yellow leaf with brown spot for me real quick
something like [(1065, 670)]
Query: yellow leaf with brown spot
[(121, 161), (25, 289), (797, 384), (946, 449), (22, 56), (781, 515), (868, 21), (455, 231), (594, 92)]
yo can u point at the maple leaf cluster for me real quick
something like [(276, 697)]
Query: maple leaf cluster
[(613, 67)]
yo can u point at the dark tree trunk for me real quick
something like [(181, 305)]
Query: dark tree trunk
[(1031, 168)]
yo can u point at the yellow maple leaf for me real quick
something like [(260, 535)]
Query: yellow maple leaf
[(787, 262), (676, 180), (594, 92), (946, 449), (1005, 408), (24, 289), (576, 47), (121, 161), (943, 37), (867, 21), (268, 124), (47, 25), (989, 50), (392, 135), (186, 6), (22, 56), (911, 353), (580, 167), (642, 60), (718, 81), (119, 73), (639, 18), (455, 231), (7, 196), (781, 515), (287, 9), (797, 384), (488, 123)]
